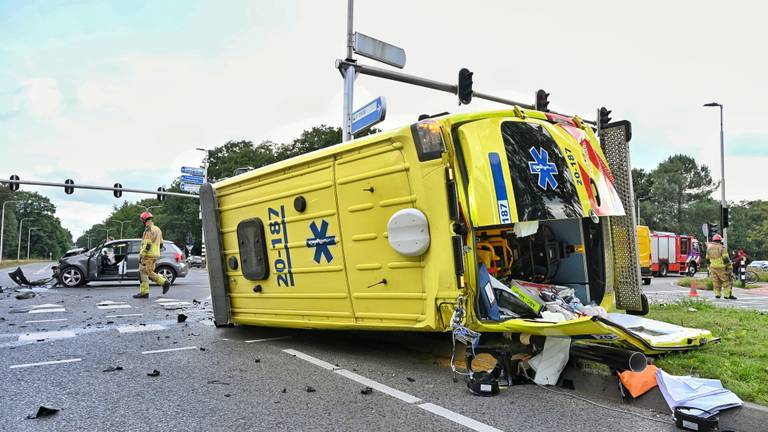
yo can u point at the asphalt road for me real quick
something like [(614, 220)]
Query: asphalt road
[(56, 348), (666, 290)]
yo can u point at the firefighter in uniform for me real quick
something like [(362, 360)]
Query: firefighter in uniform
[(150, 252), (719, 267)]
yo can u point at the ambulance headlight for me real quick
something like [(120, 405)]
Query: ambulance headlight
[(428, 136), (408, 232)]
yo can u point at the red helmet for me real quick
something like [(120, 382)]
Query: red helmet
[(145, 216), (717, 237)]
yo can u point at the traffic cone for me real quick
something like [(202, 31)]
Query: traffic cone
[(693, 292)]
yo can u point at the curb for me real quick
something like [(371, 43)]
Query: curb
[(597, 384)]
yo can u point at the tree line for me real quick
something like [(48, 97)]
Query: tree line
[(677, 196), (36, 215)]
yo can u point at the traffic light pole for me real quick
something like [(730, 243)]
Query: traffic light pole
[(94, 187)]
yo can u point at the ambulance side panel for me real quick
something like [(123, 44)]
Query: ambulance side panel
[(306, 284)]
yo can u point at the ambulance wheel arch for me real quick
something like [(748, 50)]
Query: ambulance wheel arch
[(408, 232)]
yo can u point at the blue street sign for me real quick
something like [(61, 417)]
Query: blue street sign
[(192, 179), (191, 188), (195, 171), (369, 115)]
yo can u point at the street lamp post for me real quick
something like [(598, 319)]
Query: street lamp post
[(722, 173), (149, 208), (121, 226), (29, 237), (89, 241), (18, 247), (2, 228)]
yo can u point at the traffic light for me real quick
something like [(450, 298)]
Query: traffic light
[(69, 190), (711, 230), (724, 217), (161, 197), (542, 100), (464, 89), (14, 186), (604, 117), (118, 192)]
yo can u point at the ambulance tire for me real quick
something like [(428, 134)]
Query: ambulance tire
[(663, 270), (644, 304)]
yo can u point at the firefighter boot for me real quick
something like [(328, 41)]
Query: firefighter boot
[(143, 290), (166, 286)]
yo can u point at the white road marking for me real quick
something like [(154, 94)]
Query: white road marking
[(46, 306), (169, 350), (315, 361), (140, 328), (46, 310), (268, 339), (124, 315), (43, 269), (31, 337), (405, 397), (44, 321), (19, 366), (174, 305), (163, 300), (458, 418), (114, 306)]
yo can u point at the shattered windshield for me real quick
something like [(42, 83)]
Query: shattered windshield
[(542, 183)]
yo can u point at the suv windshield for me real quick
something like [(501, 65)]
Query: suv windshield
[(543, 184)]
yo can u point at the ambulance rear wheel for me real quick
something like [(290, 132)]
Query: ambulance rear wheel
[(663, 270)]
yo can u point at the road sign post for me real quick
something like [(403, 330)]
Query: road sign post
[(372, 113)]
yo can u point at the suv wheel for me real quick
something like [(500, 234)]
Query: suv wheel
[(72, 277), (168, 273)]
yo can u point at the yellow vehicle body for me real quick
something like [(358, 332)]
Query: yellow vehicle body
[(644, 251), (325, 260)]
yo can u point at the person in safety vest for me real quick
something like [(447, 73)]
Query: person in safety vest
[(719, 267), (150, 252)]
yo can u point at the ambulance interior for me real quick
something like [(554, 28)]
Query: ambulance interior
[(535, 269)]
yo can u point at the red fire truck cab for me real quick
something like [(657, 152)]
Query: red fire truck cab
[(674, 253)]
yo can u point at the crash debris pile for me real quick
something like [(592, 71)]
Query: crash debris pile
[(522, 299)]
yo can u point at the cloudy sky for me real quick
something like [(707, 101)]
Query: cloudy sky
[(106, 91)]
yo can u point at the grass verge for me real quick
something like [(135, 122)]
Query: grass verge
[(739, 361), (14, 263)]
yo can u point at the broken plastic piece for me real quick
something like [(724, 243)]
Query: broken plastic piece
[(154, 373), (25, 295), (410, 379), (43, 411), (366, 391), (181, 318), (113, 369), (310, 389)]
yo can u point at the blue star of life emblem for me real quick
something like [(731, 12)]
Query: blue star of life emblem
[(544, 168), (321, 241)]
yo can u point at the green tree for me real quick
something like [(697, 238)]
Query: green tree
[(43, 229), (748, 228), (224, 160), (676, 184)]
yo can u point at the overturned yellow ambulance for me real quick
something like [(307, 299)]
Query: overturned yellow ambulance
[(412, 228)]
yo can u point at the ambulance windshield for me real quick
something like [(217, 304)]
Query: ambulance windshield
[(543, 185)]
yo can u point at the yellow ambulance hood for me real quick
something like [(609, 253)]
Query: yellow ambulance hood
[(525, 169)]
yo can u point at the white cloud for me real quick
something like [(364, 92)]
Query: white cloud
[(43, 97)]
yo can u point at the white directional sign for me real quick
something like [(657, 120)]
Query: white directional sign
[(191, 188), (378, 50)]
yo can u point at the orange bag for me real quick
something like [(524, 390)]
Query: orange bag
[(638, 383)]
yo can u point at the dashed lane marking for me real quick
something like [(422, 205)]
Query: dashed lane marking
[(169, 350), (108, 304), (51, 335), (46, 306), (405, 397), (124, 315), (140, 328), (44, 321), (268, 339), (165, 300), (19, 366), (458, 418), (47, 310)]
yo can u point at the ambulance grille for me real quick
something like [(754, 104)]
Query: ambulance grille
[(615, 143)]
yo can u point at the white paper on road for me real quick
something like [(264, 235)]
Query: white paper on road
[(551, 361), (701, 393)]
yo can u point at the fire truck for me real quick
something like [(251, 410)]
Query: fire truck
[(674, 253)]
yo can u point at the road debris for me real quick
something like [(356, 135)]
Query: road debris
[(154, 373), (410, 379), (43, 411), (217, 382), (285, 390), (310, 389), (366, 391), (181, 318), (227, 394), (202, 349), (25, 295), (258, 360), (113, 369)]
